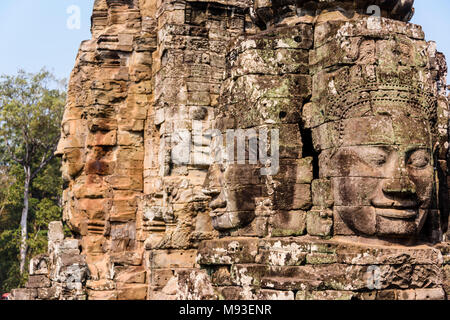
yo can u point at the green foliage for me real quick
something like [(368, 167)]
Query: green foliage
[(30, 116), (44, 208), (9, 263)]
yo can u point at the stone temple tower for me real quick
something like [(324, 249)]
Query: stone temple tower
[(252, 150)]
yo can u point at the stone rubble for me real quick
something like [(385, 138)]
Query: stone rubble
[(61, 274)]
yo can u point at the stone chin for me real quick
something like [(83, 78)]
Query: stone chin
[(383, 223), (223, 221), (388, 225)]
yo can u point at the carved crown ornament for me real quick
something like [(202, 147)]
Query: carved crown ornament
[(269, 12), (421, 100)]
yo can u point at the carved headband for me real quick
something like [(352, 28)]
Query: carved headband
[(421, 100)]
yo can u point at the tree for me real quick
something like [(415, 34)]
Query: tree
[(45, 206), (31, 109)]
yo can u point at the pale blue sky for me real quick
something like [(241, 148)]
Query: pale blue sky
[(34, 33), (434, 17)]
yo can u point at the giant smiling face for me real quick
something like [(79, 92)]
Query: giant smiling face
[(383, 173)]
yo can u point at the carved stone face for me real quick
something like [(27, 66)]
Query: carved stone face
[(233, 189), (383, 174), (70, 149)]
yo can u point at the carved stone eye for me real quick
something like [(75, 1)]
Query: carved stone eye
[(379, 160), (376, 157), (66, 129), (419, 159)]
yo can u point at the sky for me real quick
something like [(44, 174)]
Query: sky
[(434, 17), (38, 33)]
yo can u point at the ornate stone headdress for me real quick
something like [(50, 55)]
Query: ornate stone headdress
[(422, 100), (269, 12)]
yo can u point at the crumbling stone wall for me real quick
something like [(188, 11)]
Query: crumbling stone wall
[(61, 274), (161, 82), (306, 268)]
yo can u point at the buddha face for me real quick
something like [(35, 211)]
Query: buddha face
[(383, 175), (233, 189), (70, 149)]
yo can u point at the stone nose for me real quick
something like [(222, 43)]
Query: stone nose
[(396, 169), (218, 202), (399, 187), (398, 191), (397, 194), (60, 148)]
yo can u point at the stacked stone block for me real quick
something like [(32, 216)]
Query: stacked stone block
[(60, 274), (109, 95), (303, 268), (188, 74)]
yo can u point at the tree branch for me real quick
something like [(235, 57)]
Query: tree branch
[(44, 161), (11, 153)]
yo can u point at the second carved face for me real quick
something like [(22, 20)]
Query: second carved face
[(233, 189)]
